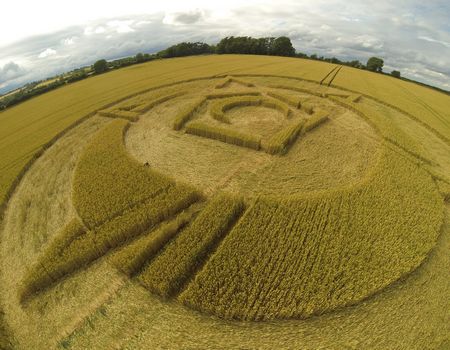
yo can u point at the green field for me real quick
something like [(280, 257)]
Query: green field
[(227, 202)]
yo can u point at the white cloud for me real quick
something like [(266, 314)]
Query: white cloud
[(46, 53), (121, 26), (142, 23), (69, 41), (89, 30), (99, 30), (368, 41), (411, 36), (183, 18), (443, 43)]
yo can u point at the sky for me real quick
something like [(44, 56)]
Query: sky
[(42, 38)]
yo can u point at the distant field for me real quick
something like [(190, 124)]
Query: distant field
[(163, 204)]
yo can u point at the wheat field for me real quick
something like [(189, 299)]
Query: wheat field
[(227, 202)]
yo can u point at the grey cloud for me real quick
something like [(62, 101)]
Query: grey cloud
[(188, 17), (11, 71), (407, 34)]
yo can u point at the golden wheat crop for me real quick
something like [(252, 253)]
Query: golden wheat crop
[(167, 273), (278, 256), (320, 116), (280, 141), (300, 279), (292, 100), (187, 112), (107, 180), (133, 257), (225, 135), (117, 113)]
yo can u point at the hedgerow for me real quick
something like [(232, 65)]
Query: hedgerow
[(170, 270), (223, 134)]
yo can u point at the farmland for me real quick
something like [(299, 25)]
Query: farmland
[(163, 204)]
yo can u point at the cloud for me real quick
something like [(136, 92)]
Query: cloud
[(121, 26), (69, 41), (94, 30), (443, 43), (183, 18), (411, 36), (11, 71), (47, 52)]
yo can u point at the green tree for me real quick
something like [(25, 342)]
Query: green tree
[(282, 46), (186, 49), (395, 73), (139, 58), (375, 64), (100, 66)]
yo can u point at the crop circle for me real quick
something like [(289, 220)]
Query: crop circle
[(248, 198)]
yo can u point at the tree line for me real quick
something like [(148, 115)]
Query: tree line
[(274, 46)]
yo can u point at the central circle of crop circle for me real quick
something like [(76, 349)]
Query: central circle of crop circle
[(254, 139)]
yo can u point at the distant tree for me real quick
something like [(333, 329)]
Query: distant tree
[(100, 66), (395, 73), (335, 60), (139, 58), (301, 55), (355, 64), (313, 56), (282, 46), (375, 64), (185, 49), (243, 45)]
